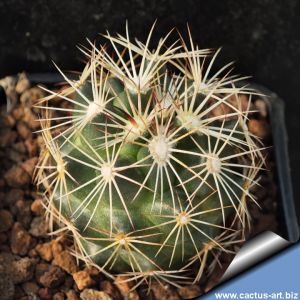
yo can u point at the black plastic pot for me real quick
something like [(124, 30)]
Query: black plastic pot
[(289, 223)]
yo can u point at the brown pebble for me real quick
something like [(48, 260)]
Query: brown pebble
[(40, 269), (23, 130), (220, 111), (6, 220), (125, 288), (29, 165), (8, 120), (14, 156), (31, 147), (21, 240), (259, 128), (30, 288), (241, 103), (39, 227), (32, 96), (33, 253), (3, 238), (66, 261), (45, 251), (31, 119), (37, 207), (20, 147), (45, 293), (262, 107), (53, 277), (7, 288), (17, 177), (59, 296), (71, 295), (18, 112), (23, 83), (164, 292), (83, 279), (89, 294), (22, 269), (69, 282), (23, 212), (12, 196), (57, 247), (110, 289), (190, 292), (7, 137)]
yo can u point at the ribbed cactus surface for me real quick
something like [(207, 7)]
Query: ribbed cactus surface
[(150, 163)]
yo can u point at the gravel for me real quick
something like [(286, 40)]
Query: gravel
[(34, 265)]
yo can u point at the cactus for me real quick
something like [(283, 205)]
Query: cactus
[(150, 163)]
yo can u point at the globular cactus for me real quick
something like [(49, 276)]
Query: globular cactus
[(150, 164)]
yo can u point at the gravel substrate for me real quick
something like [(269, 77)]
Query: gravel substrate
[(34, 265)]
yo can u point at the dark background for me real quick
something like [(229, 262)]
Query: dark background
[(262, 36)]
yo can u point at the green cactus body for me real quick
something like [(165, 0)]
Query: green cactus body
[(143, 171)]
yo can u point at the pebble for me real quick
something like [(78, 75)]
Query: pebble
[(29, 165), (31, 119), (45, 294), (53, 277), (23, 212), (39, 227), (110, 289), (40, 269), (220, 111), (31, 147), (190, 292), (20, 295), (66, 261), (12, 196), (20, 241), (59, 296), (241, 103), (23, 130), (262, 107), (45, 251), (18, 113), (8, 137), (15, 156), (37, 207), (20, 147), (8, 120), (57, 247), (23, 83), (32, 96), (125, 288), (164, 292), (6, 220), (259, 128), (89, 294), (30, 288), (83, 279), (23, 269), (3, 238), (71, 295), (7, 288), (9, 85), (17, 177)]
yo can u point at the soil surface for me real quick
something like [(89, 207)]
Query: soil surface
[(34, 265)]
